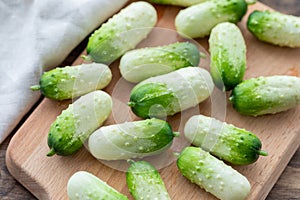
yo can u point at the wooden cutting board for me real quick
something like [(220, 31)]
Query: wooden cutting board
[(46, 177)]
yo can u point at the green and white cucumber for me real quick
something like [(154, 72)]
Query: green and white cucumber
[(212, 174), (171, 93), (198, 20), (275, 28), (85, 186), (183, 3), (74, 125), (144, 182), (266, 95), (121, 33), (140, 64), (232, 144), (131, 140), (71, 82), (228, 55)]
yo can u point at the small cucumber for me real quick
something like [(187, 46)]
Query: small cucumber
[(183, 3), (144, 182), (229, 143), (275, 28), (121, 33), (228, 55), (171, 93), (85, 186), (212, 174), (71, 82), (74, 125), (140, 64), (266, 95), (198, 20), (131, 140)]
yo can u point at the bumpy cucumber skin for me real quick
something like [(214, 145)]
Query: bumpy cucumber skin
[(144, 182), (232, 144), (228, 55), (131, 139), (122, 32), (266, 95), (73, 126), (184, 3), (275, 28), (168, 94), (71, 82), (212, 174), (144, 101), (140, 64), (85, 186), (197, 21)]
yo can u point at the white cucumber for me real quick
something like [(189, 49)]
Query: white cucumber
[(198, 20), (171, 93), (140, 64), (212, 174), (85, 186), (121, 33), (74, 125), (70, 82), (144, 182), (131, 140)]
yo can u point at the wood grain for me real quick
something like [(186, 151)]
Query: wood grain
[(27, 166)]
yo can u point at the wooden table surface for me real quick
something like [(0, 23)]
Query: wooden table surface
[(286, 188)]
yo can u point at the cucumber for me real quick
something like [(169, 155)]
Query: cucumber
[(171, 93), (85, 186), (212, 174), (228, 55), (144, 182), (232, 144), (183, 3), (131, 140), (140, 64), (74, 125), (198, 20), (266, 95), (275, 28), (71, 82), (121, 33)]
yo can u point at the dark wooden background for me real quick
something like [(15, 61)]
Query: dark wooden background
[(287, 187)]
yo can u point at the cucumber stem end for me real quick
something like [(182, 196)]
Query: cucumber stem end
[(87, 57), (130, 104), (176, 134), (262, 153), (51, 152), (35, 87)]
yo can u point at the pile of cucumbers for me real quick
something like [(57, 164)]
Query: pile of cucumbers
[(168, 81)]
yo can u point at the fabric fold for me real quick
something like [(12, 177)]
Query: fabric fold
[(36, 36)]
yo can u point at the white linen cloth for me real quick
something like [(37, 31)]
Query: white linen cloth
[(36, 35)]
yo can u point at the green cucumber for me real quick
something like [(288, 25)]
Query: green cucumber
[(184, 3), (228, 55), (266, 95), (198, 20), (212, 174), (85, 186), (131, 140), (140, 64), (232, 144), (71, 82), (171, 93), (74, 125), (121, 33), (144, 182), (275, 28)]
